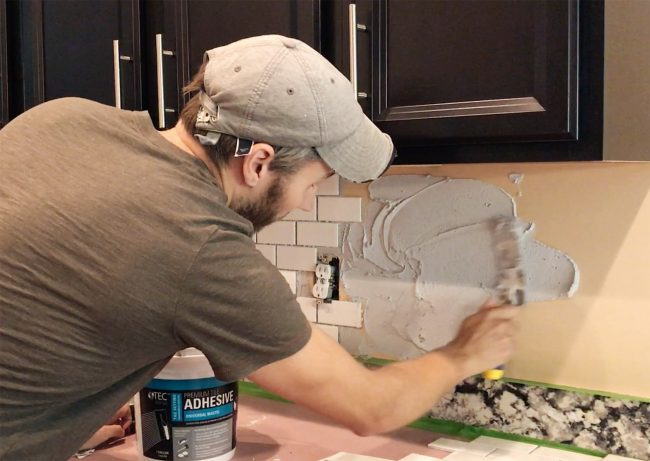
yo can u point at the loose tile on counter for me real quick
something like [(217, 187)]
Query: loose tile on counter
[(458, 445), (464, 456), (506, 445), (564, 455), (618, 458), (417, 457), (344, 456), (504, 455)]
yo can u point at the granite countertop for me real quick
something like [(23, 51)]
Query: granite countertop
[(270, 430)]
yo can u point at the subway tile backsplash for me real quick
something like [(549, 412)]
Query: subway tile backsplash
[(268, 251), (330, 186), (309, 307), (341, 209), (330, 330), (291, 278), (613, 426), (302, 215), (296, 258), (280, 232), (292, 245), (318, 234), (341, 313)]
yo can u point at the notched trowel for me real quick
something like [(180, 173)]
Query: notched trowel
[(507, 235)]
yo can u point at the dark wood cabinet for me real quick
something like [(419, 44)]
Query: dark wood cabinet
[(450, 80), (478, 81), (184, 29), (138, 54), (81, 48), (4, 86)]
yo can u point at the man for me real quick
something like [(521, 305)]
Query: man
[(120, 245)]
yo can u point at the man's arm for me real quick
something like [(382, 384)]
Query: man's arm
[(325, 378)]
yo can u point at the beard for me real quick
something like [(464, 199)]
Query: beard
[(265, 211)]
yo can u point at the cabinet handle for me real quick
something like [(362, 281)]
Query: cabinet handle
[(353, 48), (160, 79), (116, 74)]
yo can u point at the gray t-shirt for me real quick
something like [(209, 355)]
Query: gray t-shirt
[(117, 249)]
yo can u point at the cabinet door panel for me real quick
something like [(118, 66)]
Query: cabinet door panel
[(468, 71), (68, 50), (4, 84), (477, 80), (190, 27), (78, 54), (213, 24)]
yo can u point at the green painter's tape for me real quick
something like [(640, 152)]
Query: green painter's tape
[(576, 390), (440, 426), (253, 389), (374, 362)]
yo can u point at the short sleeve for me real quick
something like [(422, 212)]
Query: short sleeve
[(238, 309)]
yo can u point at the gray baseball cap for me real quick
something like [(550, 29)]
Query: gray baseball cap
[(279, 90)]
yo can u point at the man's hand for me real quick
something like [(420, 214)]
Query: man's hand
[(114, 428), (485, 339)]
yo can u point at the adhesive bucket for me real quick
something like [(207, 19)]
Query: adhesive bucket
[(185, 413)]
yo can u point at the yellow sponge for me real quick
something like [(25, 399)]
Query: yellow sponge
[(493, 374)]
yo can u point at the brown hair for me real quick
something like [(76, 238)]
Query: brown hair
[(287, 160)]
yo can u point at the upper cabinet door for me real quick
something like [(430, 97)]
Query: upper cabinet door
[(82, 48), (4, 85), (185, 29), (468, 80)]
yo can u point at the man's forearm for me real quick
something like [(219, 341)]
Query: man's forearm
[(402, 392), (326, 379)]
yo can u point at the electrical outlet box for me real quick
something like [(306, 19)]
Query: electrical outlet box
[(327, 278)]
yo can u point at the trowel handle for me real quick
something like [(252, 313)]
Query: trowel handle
[(494, 373)]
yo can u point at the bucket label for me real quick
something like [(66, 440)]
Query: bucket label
[(188, 419)]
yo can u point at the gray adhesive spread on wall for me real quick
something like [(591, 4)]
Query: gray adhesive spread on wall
[(516, 179), (422, 258)]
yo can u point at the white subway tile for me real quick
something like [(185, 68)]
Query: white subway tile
[(564, 455), (280, 232), (500, 454), (330, 186), (318, 234), (464, 456), (330, 330), (459, 445), (339, 209), (309, 307), (301, 215), (290, 276), (418, 457), (344, 456), (507, 445), (305, 281), (618, 458), (341, 313), (268, 251), (296, 258)]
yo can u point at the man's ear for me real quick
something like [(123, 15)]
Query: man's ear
[(256, 164)]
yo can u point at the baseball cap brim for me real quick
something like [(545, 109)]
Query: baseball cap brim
[(362, 156)]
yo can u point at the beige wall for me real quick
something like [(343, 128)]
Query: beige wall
[(599, 214), (626, 130)]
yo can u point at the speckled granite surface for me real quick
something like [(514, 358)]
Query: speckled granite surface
[(620, 427)]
